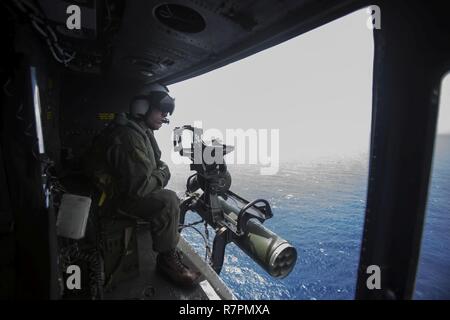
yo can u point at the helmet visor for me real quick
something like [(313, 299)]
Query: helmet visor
[(167, 104), (162, 101)]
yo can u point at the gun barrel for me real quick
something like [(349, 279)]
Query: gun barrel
[(274, 254), (229, 210), (271, 252)]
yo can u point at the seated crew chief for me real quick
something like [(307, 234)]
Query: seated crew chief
[(127, 156)]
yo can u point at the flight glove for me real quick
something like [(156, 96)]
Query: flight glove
[(162, 174)]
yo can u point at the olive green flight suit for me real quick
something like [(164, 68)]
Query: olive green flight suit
[(125, 160)]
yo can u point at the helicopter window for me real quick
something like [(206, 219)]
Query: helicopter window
[(433, 275), (299, 117)]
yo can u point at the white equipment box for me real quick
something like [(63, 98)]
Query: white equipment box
[(72, 216)]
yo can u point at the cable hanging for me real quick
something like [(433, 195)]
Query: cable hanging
[(39, 23), (205, 236)]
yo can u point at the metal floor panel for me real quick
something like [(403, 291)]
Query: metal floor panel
[(151, 285)]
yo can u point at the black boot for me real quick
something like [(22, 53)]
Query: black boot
[(171, 265)]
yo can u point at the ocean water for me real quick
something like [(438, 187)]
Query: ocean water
[(433, 276), (319, 208)]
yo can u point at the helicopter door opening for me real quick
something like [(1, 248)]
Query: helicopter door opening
[(302, 111)]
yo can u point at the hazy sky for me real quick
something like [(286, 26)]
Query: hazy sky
[(315, 89)]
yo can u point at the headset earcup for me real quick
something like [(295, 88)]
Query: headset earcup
[(139, 107)]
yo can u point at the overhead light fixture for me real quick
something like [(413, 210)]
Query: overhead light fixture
[(147, 73)]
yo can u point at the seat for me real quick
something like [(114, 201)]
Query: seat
[(117, 241)]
